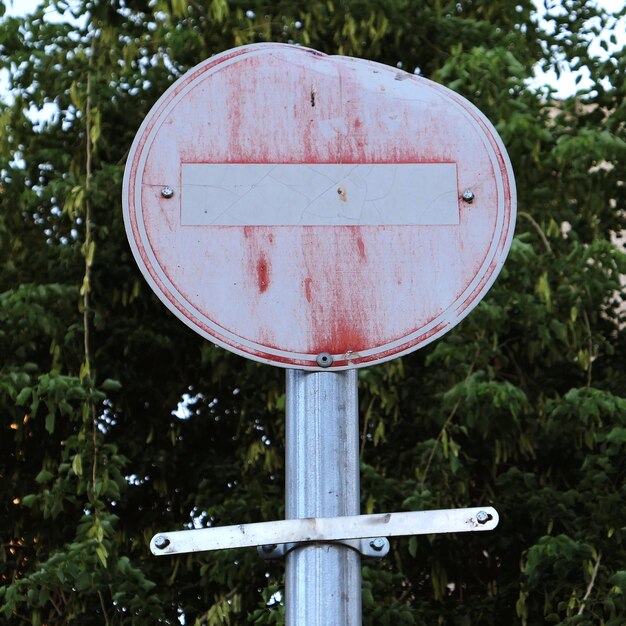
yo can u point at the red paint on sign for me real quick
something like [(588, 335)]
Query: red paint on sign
[(263, 275), (361, 247), (308, 282), (285, 293)]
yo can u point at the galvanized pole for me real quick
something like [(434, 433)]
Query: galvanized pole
[(323, 581)]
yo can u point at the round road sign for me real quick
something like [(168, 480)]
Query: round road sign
[(317, 212)]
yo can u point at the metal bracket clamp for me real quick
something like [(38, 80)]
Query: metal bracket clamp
[(376, 548), (326, 530)]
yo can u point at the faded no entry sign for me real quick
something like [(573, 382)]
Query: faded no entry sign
[(286, 204)]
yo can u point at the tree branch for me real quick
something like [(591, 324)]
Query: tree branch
[(448, 419), (537, 228), (439, 436), (104, 612), (589, 347), (366, 420), (594, 573)]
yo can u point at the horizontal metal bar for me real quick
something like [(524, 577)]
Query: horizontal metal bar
[(325, 529)]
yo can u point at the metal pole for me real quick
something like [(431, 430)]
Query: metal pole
[(323, 581)]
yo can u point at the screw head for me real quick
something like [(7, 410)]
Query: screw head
[(377, 544), (324, 359), (468, 196), (161, 542), (482, 517), (167, 192)]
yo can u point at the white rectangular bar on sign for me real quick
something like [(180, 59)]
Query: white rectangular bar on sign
[(319, 194)]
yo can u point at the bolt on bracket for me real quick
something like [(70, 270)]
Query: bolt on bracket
[(376, 548)]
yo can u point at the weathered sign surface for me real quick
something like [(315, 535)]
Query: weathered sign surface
[(285, 204)]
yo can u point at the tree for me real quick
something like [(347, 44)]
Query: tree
[(117, 421)]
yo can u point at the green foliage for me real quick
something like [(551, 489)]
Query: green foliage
[(116, 421)]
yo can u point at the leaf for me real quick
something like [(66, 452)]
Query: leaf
[(30, 500), (617, 435), (95, 130), (83, 581), (74, 96), (84, 369), (85, 287), (50, 419), (77, 465), (444, 443), (379, 433), (102, 553), (179, 8), (44, 476), (110, 384), (542, 289), (23, 396), (90, 253)]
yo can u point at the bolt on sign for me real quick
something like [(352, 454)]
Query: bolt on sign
[(286, 204)]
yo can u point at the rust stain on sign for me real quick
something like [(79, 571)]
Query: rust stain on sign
[(308, 282), (263, 274)]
